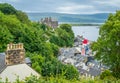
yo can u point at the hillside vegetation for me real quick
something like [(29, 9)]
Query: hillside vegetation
[(42, 44), (107, 46)]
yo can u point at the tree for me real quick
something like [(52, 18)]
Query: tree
[(107, 46), (69, 36), (5, 38), (22, 16), (7, 8), (105, 74), (71, 72), (66, 27), (63, 36)]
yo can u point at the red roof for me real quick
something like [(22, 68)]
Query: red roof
[(85, 41)]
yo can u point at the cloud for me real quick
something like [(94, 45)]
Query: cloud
[(107, 6), (10, 1), (75, 8), (115, 3), (66, 6), (14, 0)]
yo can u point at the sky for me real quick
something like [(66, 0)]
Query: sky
[(66, 6)]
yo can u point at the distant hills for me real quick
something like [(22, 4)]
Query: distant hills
[(71, 18)]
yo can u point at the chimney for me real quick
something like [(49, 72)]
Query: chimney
[(15, 54)]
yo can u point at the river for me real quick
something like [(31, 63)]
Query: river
[(89, 32)]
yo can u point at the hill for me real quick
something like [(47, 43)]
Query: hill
[(71, 18)]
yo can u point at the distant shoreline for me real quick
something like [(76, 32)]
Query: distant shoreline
[(83, 24), (86, 24)]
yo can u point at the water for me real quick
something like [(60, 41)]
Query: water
[(89, 32)]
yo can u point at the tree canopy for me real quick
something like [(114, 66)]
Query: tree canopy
[(107, 47), (7, 8)]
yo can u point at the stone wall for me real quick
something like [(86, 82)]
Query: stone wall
[(15, 54), (50, 22)]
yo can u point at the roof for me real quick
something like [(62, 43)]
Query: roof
[(94, 72), (85, 41), (2, 62), (21, 70), (27, 60), (77, 50), (82, 71)]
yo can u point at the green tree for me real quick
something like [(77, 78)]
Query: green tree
[(108, 44), (105, 74), (44, 27), (7, 8), (69, 36), (5, 38), (63, 36), (66, 27), (71, 72), (22, 16)]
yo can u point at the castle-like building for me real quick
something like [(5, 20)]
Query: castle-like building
[(50, 22)]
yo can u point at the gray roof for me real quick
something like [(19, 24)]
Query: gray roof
[(82, 71), (3, 65), (94, 72), (27, 60), (21, 70), (2, 62)]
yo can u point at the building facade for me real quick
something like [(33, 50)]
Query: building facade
[(50, 22)]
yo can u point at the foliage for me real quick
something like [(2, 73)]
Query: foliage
[(50, 66), (5, 38), (105, 74), (66, 27), (34, 79), (71, 72), (108, 44), (44, 27), (7, 8), (22, 16), (64, 36)]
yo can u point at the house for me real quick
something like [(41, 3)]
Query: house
[(13, 63), (85, 64), (50, 22)]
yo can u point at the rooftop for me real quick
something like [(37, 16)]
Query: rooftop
[(21, 70), (2, 62)]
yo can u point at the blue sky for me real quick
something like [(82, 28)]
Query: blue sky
[(66, 6)]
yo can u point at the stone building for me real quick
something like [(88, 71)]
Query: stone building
[(15, 54), (13, 64), (50, 22)]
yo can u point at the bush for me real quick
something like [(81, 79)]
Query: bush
[(71, 72), (105, 74)]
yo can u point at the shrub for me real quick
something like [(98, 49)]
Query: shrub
[(105, 74)]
